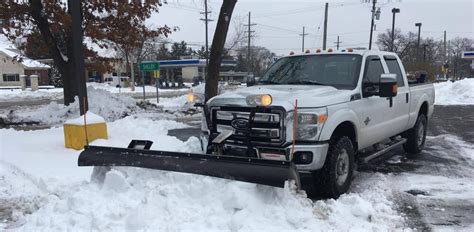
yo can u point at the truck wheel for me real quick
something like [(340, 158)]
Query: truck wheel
[(416, 136), (335, 177)]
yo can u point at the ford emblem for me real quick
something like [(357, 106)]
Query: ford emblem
[(240, 123)]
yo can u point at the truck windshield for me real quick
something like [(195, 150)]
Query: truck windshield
[(338, 70)]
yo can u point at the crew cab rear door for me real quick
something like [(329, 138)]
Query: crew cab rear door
[(398, 113)]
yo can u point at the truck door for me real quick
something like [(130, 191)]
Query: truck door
[(398, 114), (371, 109)]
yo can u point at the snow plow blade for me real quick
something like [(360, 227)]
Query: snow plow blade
[(253, 170)]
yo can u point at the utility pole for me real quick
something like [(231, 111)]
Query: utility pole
[(249, 32), (374, 2), (337, 43), (418, 43), (394, 11), (303, 35), (78, 54), (206, 22), (444, 43), (325, 26)]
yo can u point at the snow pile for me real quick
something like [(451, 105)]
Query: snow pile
[(458, 93), (142, 199), (34, 165), (138, 199), (18, 94), (109, 106), (90, 118), (128, 90)]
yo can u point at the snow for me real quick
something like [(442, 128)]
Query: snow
[(143, 199), (11, 51), (90, 118), (18, 94), (457, 93), (103, 103)]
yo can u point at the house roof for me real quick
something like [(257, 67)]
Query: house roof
[(7, 48)]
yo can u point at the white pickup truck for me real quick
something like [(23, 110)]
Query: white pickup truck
[(347, 105)]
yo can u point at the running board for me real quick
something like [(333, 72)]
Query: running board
[(379, 153)]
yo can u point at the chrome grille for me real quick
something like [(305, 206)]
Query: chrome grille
[(267, 126)]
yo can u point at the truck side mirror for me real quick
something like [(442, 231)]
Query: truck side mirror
[(388, 85)]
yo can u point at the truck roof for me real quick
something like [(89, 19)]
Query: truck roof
[(342, 51)]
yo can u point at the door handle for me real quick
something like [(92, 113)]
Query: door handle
[(407, 97)]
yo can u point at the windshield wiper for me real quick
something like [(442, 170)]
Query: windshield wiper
[(304, 82)]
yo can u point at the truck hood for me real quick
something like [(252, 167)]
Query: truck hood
[(308, 96)]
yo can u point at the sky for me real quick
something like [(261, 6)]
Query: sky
[(279, 23)]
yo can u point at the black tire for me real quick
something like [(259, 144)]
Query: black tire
[(416, 136), (326, 179)]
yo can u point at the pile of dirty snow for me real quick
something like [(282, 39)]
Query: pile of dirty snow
[(458, 93), (101, 102)]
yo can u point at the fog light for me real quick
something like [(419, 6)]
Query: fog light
[(303, 157)]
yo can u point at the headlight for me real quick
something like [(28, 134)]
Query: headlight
[(193, 98), (259, 100), (309, 124)]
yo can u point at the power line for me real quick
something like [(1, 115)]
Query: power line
[(278, 28)]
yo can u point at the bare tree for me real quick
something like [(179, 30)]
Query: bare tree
[(217, 48)]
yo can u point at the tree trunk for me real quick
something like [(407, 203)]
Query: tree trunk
[(217, 48), (65, 67)]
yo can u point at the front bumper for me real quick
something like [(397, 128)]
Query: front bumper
[(319, 152)]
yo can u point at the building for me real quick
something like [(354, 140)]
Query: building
[(189, 68), (13, 65)]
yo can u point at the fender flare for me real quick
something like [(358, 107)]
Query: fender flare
[(335, 119)]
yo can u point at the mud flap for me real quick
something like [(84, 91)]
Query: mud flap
[(253, 170)]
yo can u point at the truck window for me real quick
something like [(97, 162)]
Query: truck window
[(373, 69), (394, 68), (337, 70)]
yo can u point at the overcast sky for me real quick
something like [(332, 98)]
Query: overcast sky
[(279, 22)]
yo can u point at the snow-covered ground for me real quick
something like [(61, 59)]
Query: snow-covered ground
[(43, 189), (18, 94), (42, 178), (57, 93), (109, 106), (458, 93)]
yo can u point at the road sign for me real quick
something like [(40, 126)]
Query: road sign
[(149, 66), (156, 74)]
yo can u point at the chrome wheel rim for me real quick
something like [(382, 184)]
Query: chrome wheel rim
[(421, 134), (342, 167)]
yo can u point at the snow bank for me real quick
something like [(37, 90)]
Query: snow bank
[(19, 95), (91, 118), (458, 93), (35, 166), (107, 105), (137, 199)]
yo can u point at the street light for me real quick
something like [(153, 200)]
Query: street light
[(394, 11), (418, 44)]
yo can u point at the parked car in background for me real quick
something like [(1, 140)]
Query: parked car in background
[(117, 81)]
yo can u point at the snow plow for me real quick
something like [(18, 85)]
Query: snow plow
[(216, 163), (253, 170)]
